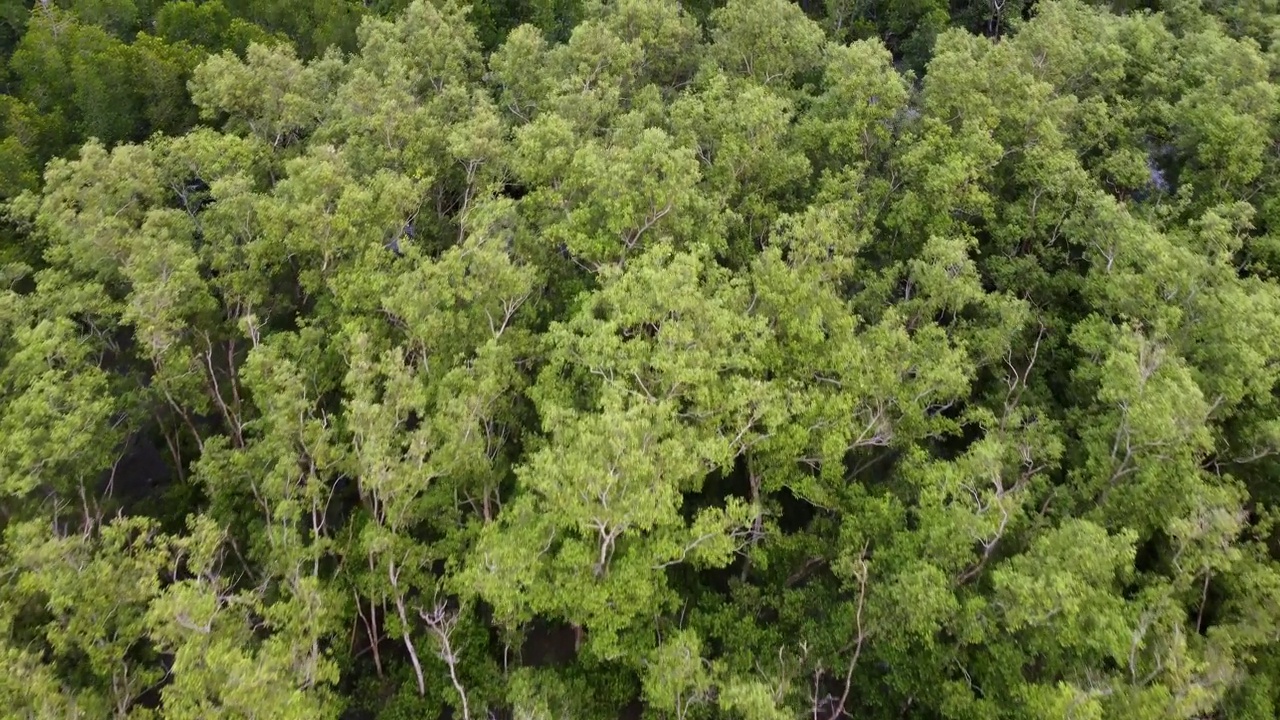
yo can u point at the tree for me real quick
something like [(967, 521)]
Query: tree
[(580, 360)]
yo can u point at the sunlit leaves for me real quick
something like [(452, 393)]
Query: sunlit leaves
[(769, 41), (781, 381)]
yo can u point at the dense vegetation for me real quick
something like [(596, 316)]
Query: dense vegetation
[(579, 359)]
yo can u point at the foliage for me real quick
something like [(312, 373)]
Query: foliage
[(584, 359)]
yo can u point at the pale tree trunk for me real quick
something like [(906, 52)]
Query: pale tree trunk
[(394, 576), (442, 622)]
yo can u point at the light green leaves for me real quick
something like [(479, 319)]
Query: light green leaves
[(271, 93), (769, 41)]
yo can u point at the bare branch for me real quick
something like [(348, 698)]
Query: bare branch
[(442, 621), (862, 573)]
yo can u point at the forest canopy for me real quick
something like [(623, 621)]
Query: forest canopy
[(595, 359)]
